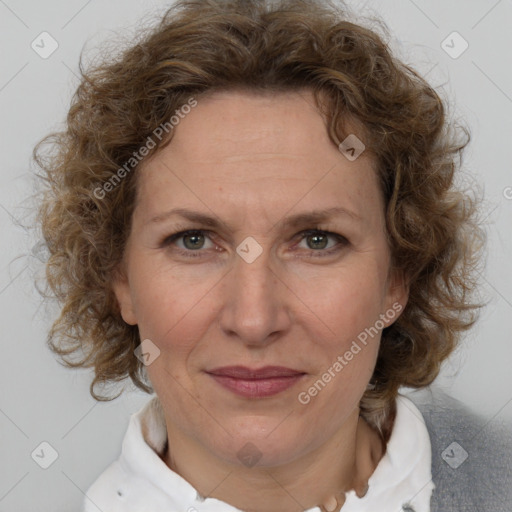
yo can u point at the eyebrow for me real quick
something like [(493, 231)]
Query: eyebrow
[(293, 221)]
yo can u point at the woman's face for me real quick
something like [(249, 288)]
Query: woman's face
[(250, 288)]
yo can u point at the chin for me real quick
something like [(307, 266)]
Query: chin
[(261, 442)]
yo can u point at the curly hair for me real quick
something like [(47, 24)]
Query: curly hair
[(198, 47)]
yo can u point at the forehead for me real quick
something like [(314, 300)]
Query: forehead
[(261, 150), (228, 125)]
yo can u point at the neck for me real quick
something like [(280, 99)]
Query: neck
[(313, 479)]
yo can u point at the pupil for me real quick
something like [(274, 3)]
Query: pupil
[(195, 238), (316, 238)]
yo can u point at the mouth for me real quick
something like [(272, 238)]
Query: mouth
[(256, 383)]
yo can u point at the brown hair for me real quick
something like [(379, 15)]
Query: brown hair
[(205, 45)]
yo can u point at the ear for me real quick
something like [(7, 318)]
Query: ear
[(122, 291), (397, 295)]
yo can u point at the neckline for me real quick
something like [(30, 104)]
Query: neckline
[(146, 438)]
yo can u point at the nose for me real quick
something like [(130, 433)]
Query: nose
[(255, 307)]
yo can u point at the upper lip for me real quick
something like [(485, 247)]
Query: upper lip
[(242, 372)]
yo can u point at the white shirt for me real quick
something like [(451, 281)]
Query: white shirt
[(139, 480)]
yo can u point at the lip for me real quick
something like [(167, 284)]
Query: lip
[(256, 382)]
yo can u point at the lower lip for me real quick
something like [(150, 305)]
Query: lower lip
[(257, 388)]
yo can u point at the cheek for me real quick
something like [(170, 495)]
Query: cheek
[(347, 338), (346, 302), (166, 301), (347, 344)]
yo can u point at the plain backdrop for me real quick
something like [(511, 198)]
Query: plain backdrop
[(41, 401)]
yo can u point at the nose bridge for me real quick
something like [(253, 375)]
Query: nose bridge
[(252, 307), (253, 271)]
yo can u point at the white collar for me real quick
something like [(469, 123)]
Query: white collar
[(402, 477)]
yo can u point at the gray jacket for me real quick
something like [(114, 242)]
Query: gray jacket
[(471, 456)]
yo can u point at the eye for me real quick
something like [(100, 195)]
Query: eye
[(193, 240), (317, 241)]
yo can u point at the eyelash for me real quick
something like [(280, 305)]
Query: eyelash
[(320, 253)]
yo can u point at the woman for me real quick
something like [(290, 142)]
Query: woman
[(252, 213)]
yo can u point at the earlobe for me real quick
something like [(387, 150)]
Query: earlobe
[(122, 291)]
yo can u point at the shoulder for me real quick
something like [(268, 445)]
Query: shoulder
[(471, 455)]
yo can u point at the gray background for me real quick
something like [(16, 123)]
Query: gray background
[(41, 400)]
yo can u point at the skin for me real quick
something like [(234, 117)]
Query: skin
[(252, 160)]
